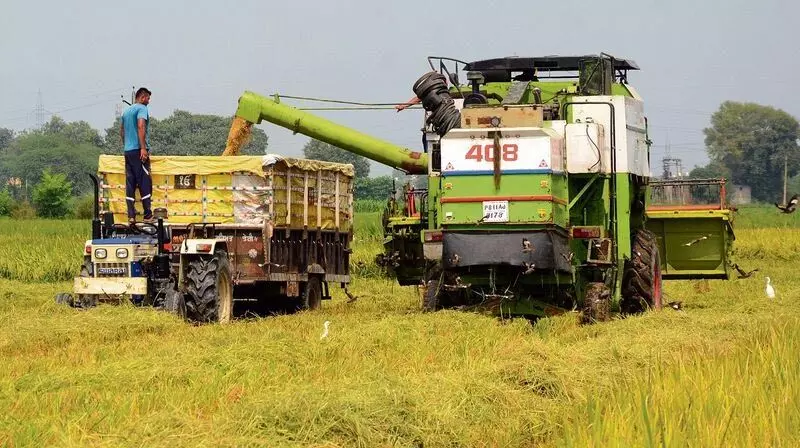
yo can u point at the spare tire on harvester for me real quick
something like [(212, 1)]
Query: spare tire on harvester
[(641, 279)]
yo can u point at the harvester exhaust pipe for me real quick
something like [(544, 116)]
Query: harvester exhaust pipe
[(97, 232)]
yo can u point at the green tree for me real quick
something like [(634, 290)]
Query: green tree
[(317, 150), (379, 188), (52, 195), (187, 134), (6, 137), (6, 202), (31, 152), (752, 141), (76, 132), (710, 171)]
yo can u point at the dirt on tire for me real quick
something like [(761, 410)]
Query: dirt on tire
[(596, 303)]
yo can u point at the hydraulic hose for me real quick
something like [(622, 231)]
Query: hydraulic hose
[(431, 88)]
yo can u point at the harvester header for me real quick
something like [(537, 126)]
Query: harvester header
[(254, 108)]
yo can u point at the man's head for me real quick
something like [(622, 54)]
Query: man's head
[(143, 96)]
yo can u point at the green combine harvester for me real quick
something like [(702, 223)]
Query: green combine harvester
[(539, 194)]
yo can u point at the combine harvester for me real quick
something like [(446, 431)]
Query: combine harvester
[(539, 195)]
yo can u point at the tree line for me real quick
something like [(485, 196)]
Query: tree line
[(751, 144), (44, 172)]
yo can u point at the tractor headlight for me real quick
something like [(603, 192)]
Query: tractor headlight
[(100, 253), (122, 253)]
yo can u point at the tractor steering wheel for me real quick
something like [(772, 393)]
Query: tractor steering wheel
[(145, 227)]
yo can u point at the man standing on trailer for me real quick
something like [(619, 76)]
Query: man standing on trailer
[(135, 134)]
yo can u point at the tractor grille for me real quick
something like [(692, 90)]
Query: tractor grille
[(112, 269)]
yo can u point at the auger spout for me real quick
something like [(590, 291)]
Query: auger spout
[(254, 108)]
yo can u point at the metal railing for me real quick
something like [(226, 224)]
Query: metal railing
[(687, 194)]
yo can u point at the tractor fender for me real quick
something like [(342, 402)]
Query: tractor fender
[(202, 246), (193, 248)]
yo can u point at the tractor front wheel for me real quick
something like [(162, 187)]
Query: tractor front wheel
[(174, 300), (641, 281), (85, 300), (209, 289)]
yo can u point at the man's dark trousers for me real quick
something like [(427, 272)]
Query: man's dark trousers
[(137, 174)]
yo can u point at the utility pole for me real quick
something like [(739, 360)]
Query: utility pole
[(785, 175), (39, 110)]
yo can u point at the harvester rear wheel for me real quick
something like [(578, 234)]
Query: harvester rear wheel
[(312, 294), (209, 289), (641, 281), (596, 303)]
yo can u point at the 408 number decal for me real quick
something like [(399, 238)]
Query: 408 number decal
[(508, 153)]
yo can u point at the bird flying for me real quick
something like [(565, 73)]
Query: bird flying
[(676, 305), (743, 273), (790, 206)]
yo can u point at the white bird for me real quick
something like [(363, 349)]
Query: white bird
[(325, 330), (770, 290)]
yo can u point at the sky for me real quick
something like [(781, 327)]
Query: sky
[(200, 56)]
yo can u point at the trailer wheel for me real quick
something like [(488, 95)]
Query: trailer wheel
[(596, 303), (641, 281), (209, 289), (312, 295)]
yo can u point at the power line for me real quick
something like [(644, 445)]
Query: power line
[(83, 106)]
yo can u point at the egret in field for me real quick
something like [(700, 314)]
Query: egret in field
[(769, 289), (325, 330)]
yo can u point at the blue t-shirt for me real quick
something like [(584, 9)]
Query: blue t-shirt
[(130, 124)]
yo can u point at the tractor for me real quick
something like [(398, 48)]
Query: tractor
[(261, 233)]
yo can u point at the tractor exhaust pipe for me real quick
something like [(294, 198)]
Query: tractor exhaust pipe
[(97, 230)]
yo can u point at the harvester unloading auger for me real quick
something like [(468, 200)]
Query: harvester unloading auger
[(539, 197)]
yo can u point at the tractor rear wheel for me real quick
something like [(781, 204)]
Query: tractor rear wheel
[(209, 289), (596, 303), (312, 295), (641, 280)]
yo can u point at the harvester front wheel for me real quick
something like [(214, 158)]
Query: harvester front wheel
[(209, 289), (641, 281), (596, 303), (430, 297)]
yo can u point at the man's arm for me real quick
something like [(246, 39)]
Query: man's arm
[(142, 144), (408, 103)]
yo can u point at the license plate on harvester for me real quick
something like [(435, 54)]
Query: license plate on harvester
[(117, 270), (495, 211)]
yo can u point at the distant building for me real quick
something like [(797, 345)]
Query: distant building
[(739, 195)]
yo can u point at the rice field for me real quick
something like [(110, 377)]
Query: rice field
[(721, 372)]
